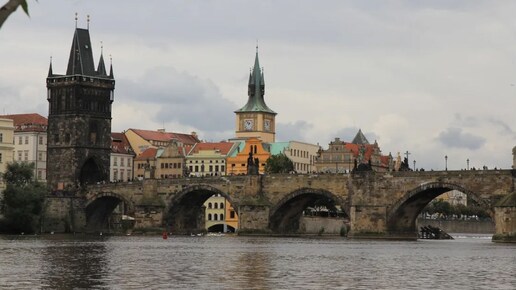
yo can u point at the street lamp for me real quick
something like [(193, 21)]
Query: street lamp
[(467, 164), (446, 162), (414, 165)]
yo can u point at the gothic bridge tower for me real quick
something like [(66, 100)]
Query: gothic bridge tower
[(79, 118), (255, 119)]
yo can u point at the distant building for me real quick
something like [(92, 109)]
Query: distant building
[(341, 157), (30, 142), (141, 140), (209, 159), (454, 197), (122, 158), (162, 163), (6, 147), (302, 154), (237, 162)]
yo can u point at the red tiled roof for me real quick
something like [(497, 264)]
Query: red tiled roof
[(119, 144), (150, 153), (28, 122), (223, 147), (186, 139), (369, 149)]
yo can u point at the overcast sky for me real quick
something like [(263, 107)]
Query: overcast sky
[(434, 77)]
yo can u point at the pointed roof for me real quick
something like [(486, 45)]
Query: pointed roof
[(81, 55), (256, 91), (50, 72), (360, 138), (223, 147), (101, 69)]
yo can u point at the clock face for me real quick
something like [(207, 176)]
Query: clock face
[(267, 125), (248, 124)]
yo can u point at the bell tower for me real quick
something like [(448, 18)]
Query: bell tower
[(255, 119), (79, 118)]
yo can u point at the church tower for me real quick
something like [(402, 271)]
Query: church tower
[(255, 119), (79, 118)]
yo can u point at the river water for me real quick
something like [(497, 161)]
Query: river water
[(233, 262)]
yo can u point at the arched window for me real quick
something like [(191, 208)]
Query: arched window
[(209, 216), (214, 216), (221, 205), (209, 204), (216, 205), (221, 217)]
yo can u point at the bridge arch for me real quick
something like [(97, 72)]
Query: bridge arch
[(184, 211), (401, 218), (99, 207), (284, 217)]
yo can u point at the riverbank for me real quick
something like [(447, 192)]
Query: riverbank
[(460, 226)]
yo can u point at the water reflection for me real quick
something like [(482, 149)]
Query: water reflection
[(73, 263), (253, 263)]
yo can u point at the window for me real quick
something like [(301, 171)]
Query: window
[(122, 161), (209, 216), (232, 214), (26, 139), (115, 162), (214, 216), (20, 155), (40, 156), (1, 137), (26, 155), (40, 140), (216, 205), (209, 205), (20, 140), (39, 174), (221, 205), (221, 217)]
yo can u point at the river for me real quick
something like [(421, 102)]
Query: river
[(234, 262)]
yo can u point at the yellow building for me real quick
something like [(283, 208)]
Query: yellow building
[(237, 163), (220, 216), (162, 163), (6, 147)]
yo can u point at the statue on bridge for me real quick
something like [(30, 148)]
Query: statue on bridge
[(252, 165)]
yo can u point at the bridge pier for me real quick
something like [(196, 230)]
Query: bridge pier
[(253, 219), (63, 215), (505, 220)]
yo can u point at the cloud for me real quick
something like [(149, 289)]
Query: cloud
[(295, 131), (179, 97), (454, 137)]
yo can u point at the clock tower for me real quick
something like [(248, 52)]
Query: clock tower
[(255, 119)]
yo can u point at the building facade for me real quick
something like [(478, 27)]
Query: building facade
[(79, 118), (30, 142), (122, 159), (6, 147), (161, 163), (343, 157), (301, 154), (209, 158), (255, 119), (254, 148)]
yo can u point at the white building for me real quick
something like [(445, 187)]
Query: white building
[(122, 159), (30, 142), (6, 146), (302, 154)]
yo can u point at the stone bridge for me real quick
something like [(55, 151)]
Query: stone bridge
[(379, 205)]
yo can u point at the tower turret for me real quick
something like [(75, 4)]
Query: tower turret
[(255, 118)]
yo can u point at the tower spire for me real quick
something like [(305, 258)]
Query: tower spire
[(111, 67), (256, 90), (50, 72), (88, 22), (76, 20)]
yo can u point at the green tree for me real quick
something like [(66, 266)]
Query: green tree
[(23, 199), (279, 163)]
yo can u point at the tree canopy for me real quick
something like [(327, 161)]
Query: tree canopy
[(23, 199), (279, 163)]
